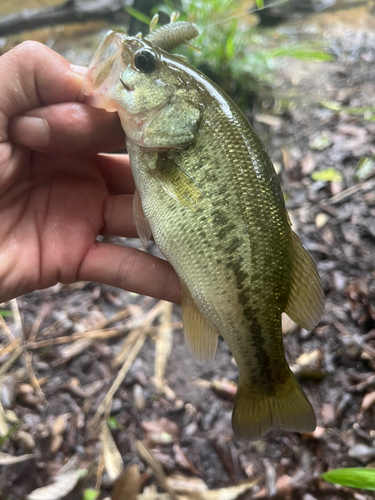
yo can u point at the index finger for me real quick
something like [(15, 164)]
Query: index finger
[(31, 76)]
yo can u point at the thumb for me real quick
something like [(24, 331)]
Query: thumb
[(68, 128)]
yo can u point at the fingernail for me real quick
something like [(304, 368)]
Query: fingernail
[(31, 131)]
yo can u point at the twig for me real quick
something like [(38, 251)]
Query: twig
[(6, 329), (17, 318), (3, 423), (29, 367), (12, 358), (126, 346), (105, 405), (38, 322), (99, 473), (10, 347), (147, 456), (124, 313), (69, 352), (140, 324), (362, 186), (94, 334)]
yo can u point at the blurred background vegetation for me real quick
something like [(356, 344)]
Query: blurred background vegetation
[(238, 47)]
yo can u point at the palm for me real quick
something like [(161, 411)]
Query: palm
[(50, 219)]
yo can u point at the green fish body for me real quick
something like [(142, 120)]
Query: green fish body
[(210, 196)]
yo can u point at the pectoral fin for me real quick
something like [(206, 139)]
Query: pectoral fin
[(306, 297), (177, 183), (200, 336), (140, 221)]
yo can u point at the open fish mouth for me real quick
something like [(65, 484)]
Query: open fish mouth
[(126, 86)]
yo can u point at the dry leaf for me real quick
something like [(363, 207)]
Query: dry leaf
[(139, 397), (151, 495), (112, 459), (58, 428), (321, 220), (224, 388), (368, 401), (230, 493), (146, 455), (161, 425), (127, 485), (309, 358), (182, 460), (186, 485), (3, 424), (160, 431), (64, 484), (26, 439), (163, 345)]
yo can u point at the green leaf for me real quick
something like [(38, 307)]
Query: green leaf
[(355, 477), (4, 313), (365, 167), (138, 15), (320, 142), (10, 432), (260, 4), (112, 422), (90, 494), (306, 54), (332, 105), (327, 175)]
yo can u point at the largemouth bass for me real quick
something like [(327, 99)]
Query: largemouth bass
[(210, 196)]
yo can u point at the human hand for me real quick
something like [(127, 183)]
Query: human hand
[(57, 193)]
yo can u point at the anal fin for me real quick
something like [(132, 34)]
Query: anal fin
[(200, 336), (306, 297)]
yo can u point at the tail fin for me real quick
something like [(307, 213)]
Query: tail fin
[(255, 413)]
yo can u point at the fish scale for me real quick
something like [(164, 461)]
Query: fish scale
[(213, 202), (166, 223)]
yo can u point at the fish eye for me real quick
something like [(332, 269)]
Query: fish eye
[(144, 61)]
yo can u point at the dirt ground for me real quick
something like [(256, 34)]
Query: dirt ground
[(62, 348)]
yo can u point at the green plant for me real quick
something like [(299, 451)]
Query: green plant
[(355, 477), (10, 432), (90, 494), (237, 56)]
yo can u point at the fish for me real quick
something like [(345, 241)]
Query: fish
[(207, 192)]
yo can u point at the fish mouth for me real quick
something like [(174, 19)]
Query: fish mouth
[(126, 86)]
